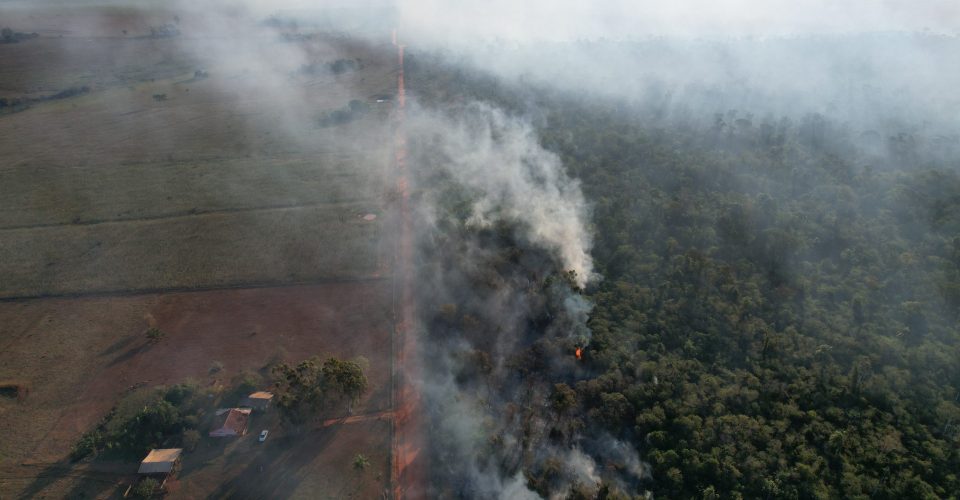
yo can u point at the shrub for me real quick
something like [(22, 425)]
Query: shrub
[(190, 438), (146, 488), (154, 335), (86, 446)]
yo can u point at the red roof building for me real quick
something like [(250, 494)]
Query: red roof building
[(233, 422)]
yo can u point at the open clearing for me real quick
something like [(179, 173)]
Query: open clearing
[(192, 187), (209, 250), (80, 355), (315, 464), (222, 183)]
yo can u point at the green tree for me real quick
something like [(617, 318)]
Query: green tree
[(146, 488), (345, 377), (563, 399), (190, 439), (304, 391)]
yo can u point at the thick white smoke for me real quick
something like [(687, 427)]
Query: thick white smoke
[(498, 157)]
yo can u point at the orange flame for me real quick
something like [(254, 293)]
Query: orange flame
[(579, 353)]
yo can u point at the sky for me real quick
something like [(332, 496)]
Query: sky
[(625, 19)]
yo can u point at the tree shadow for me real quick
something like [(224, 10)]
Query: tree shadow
[(130, 353), (277, 470), (95, 488), (89, 483), (116, 346), (209, 449), (46, 477), (379, 400)]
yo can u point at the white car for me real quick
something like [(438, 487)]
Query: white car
[(263, 436)]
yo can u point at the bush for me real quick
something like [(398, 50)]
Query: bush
[(341, 66), (360, 462), (190, 439), (154, 335), (244, 383), (8, 35), (348, 113), (86, 446), (70, 92), (146, 488)]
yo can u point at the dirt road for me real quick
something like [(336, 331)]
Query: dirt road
[(409, 468)]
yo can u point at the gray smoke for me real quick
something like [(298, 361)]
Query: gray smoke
[(498, 157)]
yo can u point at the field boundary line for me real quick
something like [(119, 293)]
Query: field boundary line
[(133, 292), (181, 215)]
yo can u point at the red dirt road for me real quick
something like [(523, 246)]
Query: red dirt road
[(409, 466), (356, 419)]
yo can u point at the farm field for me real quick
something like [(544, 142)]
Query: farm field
[(116, 190), (190, 184), (310, 465), (201, 251), (79, 356)]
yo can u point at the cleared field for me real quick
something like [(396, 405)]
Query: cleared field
[(202, 251), (49, 65), (96, 193), (81, 20), (229, 179), (78, 356), (314, 464), (193, 167), (232, 113), (317, 464)]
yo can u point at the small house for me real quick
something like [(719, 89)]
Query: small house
[(161, 462), (231, 422), (258, 401)]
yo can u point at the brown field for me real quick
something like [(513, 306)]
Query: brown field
[(223, 214), (314, 464), (273, 246), (80, 355), (224, 183)]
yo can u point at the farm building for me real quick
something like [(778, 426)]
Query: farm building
[(160, 462), (232, 422), (258, 401)]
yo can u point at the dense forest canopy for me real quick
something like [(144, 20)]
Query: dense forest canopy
[(777, 315)]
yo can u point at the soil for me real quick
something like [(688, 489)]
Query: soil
[(80, 355)]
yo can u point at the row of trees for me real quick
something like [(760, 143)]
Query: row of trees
[(174, 416), (160, 417), (8, 35)]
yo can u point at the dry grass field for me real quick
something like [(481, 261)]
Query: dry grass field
[(192, 187), (79, 356), (306, 244), (228, 180)]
